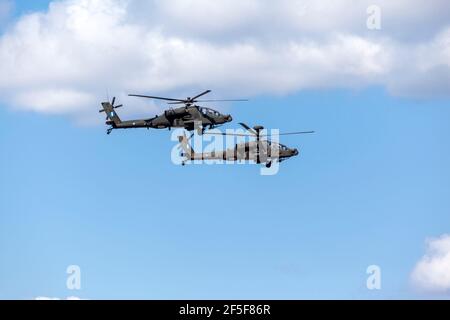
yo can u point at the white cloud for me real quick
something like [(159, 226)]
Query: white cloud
[(432, 272), (62, 61), (53, 100)]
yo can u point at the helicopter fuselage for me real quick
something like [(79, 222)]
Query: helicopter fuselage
[(188, 117), (264, 151)]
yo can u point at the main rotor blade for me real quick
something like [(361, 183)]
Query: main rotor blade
[(288, 133), (153, 97), (201, 94), (214, 100), (178, 102), (248, 128), (113, 100), (220, 100), (229, 134), (251, 135)]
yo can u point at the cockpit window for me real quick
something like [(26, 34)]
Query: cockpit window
[(207, 111), (279, 145)]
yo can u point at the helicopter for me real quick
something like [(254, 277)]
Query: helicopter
[(190, 116), (260, 151)]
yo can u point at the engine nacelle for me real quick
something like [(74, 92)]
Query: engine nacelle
[(175, 113)]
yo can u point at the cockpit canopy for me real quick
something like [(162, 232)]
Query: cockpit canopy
[(208, 111), (277, 145)]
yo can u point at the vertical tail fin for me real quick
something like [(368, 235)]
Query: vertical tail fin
[(187, 149), (111, 114)]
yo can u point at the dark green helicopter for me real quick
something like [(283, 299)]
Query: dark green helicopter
[(189, 117)]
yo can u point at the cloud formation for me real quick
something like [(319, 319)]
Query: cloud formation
[(62, 61), (432, 272)]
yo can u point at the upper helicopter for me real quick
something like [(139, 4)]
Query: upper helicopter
[(190, 116)]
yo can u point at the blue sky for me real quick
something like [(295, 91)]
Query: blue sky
[(368, 188)]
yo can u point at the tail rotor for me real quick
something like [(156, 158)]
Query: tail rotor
[(112, 118), (112, 106)]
